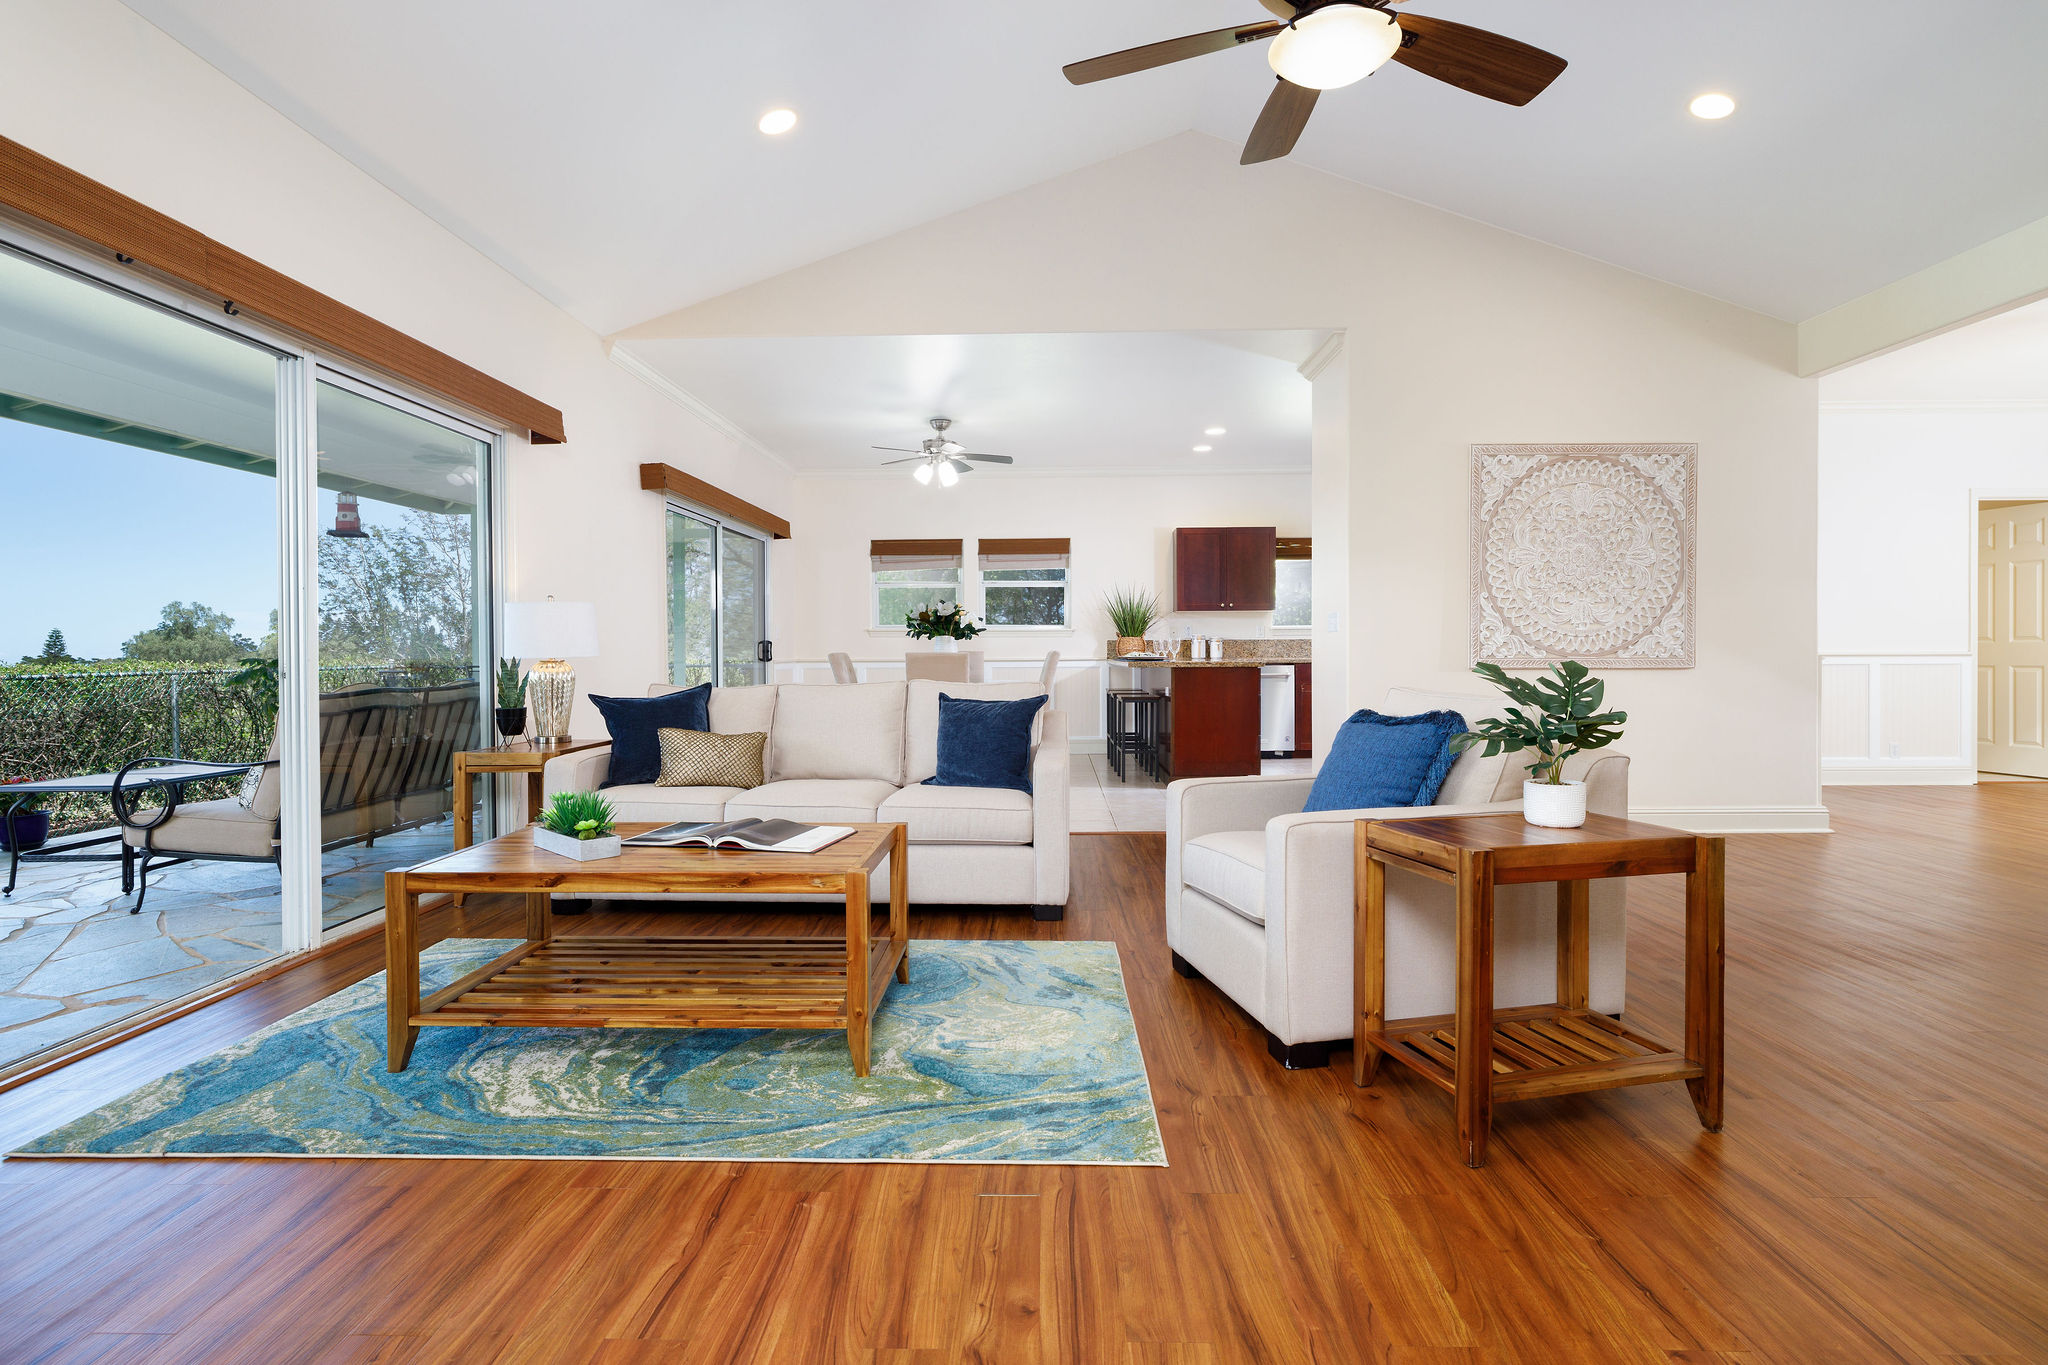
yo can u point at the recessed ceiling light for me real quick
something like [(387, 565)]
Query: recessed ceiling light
[(1203, 450), (1713, 106), (778, 121), (1212, 431)]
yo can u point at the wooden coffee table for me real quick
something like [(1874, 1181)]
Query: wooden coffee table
[(1534, 1050), (616, 982)]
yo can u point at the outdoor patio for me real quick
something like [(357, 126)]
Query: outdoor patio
[(72, 959)]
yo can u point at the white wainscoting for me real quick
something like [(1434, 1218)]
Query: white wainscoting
[(1079, 688), (1898, 720)]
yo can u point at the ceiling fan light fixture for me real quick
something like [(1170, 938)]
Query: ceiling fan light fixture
[(776, 122), (1713, 105), (1335, 46), (923, 473), (948, 476)]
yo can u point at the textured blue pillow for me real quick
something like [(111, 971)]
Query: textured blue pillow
[(634, 723), (985, 743), (1381, 760)]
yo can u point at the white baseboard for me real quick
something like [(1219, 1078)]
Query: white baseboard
[(1088, 745), (1737, 819), (1898, 775)]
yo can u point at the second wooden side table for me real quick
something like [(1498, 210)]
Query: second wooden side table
[(1534, 1050), (528, 756)]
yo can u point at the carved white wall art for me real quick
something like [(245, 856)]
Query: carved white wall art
[(1583, 552)]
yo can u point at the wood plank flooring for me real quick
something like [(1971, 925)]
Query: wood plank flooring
[(1880, 1193)]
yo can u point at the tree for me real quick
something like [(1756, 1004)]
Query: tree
[(403, 594), (190, 633), (55, 651)]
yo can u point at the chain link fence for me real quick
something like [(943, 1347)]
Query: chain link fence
[(59, 724)]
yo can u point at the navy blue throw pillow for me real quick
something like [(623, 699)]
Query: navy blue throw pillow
[(634, 723), (1381, 760), (985, 743)]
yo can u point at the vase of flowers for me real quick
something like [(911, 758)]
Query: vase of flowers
[(24, 824), (1562, 718), (942, 622), (578, 825), (511, 691)]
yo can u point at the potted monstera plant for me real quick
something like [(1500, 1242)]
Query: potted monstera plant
[(1552, 718)]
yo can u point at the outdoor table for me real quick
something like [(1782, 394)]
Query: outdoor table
[(175, 775)]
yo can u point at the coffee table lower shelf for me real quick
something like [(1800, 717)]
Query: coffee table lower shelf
[(616, 982), (1538, 1050)]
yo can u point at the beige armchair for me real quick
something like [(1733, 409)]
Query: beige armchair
[(1259, 898)]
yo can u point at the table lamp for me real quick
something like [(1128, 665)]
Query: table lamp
[(551, 633)]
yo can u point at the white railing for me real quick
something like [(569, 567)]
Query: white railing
[(1898, 719)]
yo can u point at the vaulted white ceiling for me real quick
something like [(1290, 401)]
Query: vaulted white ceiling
[(2003, 359), (606, 153)]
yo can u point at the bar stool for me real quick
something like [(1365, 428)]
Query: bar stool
[(1126, 718), (1153, 732)]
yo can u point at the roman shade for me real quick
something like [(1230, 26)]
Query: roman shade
[(1047, 552), (916, 554)]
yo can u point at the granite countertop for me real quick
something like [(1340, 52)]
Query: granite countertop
[(1207, 663)]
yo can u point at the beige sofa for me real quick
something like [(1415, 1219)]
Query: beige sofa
[(840, 754), (1259, 897)]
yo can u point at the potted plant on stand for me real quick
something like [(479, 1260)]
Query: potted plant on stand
[(1563, 718), (577, 825), (944, 623), (1131, 614), (511, 700), (24, 824)]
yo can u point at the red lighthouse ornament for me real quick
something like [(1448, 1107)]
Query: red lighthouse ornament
[(348, 518)]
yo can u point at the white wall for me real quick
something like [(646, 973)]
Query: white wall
[(95, 87), (1898, 488), (1457, 334), (1121, 527)]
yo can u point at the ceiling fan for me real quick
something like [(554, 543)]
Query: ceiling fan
[(941, 458), (1322, 45)]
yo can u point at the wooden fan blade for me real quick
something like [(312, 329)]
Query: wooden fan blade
[(992, 459), (1172, 50), (1280, 122), (1475, 60)]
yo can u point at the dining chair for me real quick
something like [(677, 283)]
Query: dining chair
[(1050, 671), (929, 663), (842, 668)]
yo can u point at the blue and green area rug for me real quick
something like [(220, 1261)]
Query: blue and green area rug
[(994, 1052)]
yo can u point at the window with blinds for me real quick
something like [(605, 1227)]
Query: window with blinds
[(909, 575), (1024, 582)]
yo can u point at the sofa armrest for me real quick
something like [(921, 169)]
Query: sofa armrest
[(577, 772), (1052, 772), (1210, 805)]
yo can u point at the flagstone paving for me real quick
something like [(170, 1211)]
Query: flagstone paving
[(72, 959)]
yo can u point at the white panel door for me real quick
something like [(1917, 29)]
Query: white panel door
[(2012, 639)]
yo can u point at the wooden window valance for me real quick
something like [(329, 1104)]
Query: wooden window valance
[(1044, 552), (57, 197), (1293, 547), (922, 549), (668, 479)]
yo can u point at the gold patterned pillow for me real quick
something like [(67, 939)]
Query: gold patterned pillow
[(697, 758)]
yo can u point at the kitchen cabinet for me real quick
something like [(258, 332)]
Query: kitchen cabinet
[(1304, 709), (1224, 568)]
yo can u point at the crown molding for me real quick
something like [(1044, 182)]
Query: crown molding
[(1093, 472), (1322, 357), (690, 402)]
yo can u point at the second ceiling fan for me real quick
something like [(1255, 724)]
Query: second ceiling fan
[(1325, 44)]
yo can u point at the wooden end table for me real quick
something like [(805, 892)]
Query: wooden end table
[(528, 756), (607, 981), (1537, 1050)]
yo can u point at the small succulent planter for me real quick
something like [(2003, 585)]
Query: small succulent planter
[(577, 825), (570, 846), (511, 721)]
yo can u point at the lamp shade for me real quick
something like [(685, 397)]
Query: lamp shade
[(550, 630), (1335, 46)]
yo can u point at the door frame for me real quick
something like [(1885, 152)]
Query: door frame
[(1978, 497), (721, 525)]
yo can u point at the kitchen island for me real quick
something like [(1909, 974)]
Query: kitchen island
[(1212, 717)]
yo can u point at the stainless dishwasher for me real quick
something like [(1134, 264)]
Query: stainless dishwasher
[(1276, 710)]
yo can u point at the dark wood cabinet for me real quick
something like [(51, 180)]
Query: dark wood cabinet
[(1212, 718), (1304, 710), (1224, 568)]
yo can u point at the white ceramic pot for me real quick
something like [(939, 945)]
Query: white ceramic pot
[(582, 850), (1554, 806), (945, 644)]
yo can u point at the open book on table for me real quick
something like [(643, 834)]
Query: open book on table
[(754, 836)]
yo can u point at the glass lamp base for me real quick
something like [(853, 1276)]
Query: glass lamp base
[(550, 689)]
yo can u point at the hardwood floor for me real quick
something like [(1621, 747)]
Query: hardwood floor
[(1880, 1192)]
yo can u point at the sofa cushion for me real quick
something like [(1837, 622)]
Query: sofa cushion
[(634, 723), (838, 730), (1474, 779), (1377, 761), (696, 758), (960, 815), (829, 800), (985, 743), (223, 826), (1229, 868), (921, 719), (642, 801)]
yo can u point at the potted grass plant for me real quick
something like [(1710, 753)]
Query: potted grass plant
[(1131, 613), (511, 699), (1552, 718), (577, 825)]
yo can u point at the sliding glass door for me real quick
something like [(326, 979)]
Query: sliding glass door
[(717, 601)]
